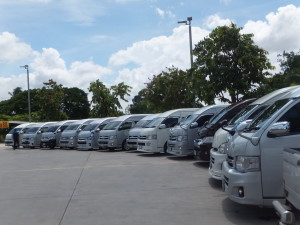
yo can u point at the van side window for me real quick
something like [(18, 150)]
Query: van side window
[(170, 122), (292, 116), (63, 127), (202, 119)]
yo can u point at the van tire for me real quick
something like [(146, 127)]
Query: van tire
[(166, 148), (204, 155), (124, 145)]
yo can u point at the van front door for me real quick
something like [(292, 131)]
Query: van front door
[(272, 151)]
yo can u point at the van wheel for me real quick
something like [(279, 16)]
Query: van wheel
[(124, 145), (204, 155), (51, 145), (165, 148)]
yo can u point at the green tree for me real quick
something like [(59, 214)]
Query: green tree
[(106, 101), (15, 91), (75, 103), (140, 103), (168, 90), (228, 62), (50, 99)]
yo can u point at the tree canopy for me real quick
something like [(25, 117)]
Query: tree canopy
[(228, 62)]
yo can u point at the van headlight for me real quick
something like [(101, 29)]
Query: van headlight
[(247, 164), (151, 137), (181, 138), (71, 138), (112, 137), (222, 148)]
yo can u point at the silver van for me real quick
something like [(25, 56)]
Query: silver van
[(291, 181), (154, 136), (135, 131), (218, 152), (88, 136), (115, 133), (51, 137), (252, 170), (182, 136), (69, 136), (32, 137), (9, 136)]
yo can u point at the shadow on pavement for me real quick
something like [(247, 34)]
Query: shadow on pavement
[(215, 184), (181, 158), (202, 165), (152, 154)]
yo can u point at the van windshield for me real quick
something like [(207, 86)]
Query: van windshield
[(241, 115), (15, 129), (91, 126), (155, 122), (260, 120), (72, 127), (218, 116), (52, 128), (189, 120), (112, 125), (32, 130), (142, 123)]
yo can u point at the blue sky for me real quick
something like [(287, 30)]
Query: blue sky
[(76, 42)]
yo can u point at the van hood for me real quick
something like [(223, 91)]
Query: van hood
[(219, 138), (178, 131), (68, 133), (135, 131), (148, 131), (84, 134), (108, 132), (239, 146)]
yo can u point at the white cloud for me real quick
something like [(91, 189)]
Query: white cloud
[(12, 49), (163, 13), (280, 31), (215, 20), (154, 55)]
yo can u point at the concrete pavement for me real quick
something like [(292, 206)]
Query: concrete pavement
[(69, 187)]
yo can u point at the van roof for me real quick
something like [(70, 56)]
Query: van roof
[(275, 95), (125, 117), (101, 120), (173, 111), (204, 108)]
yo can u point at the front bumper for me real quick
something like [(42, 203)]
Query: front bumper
[(147, 146), (179, 148), (215, 165), (250, 184), (84, 144)]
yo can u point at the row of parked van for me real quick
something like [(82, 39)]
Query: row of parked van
[(244, 142)]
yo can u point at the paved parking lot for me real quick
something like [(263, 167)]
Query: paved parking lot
[(69, 187)]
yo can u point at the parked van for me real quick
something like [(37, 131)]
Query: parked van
[(9, 136), (88, 137), (51, 137), (252, 171), (206, 133), (218, 152), (69, 136), (182, 136), (154, 136), (291, 181), (32, 137), (115, 133), (135, 131)]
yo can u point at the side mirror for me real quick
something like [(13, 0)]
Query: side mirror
[(223, 123), (39, 132), (243, 125), (79, 130), (279, 129), (59, 130), (97, 130), (162, 126), (194, 125)]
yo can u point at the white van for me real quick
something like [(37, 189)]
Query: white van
[(69, 136), (291, 181), (115, 133), (252, 171), (32, 137), (88, 137), (135, 131), (218, 152), (182, 136), (51, 137), (155, 135), (9, 136)]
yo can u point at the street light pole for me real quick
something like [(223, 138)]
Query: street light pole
[(188, 22), (29, 107)]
